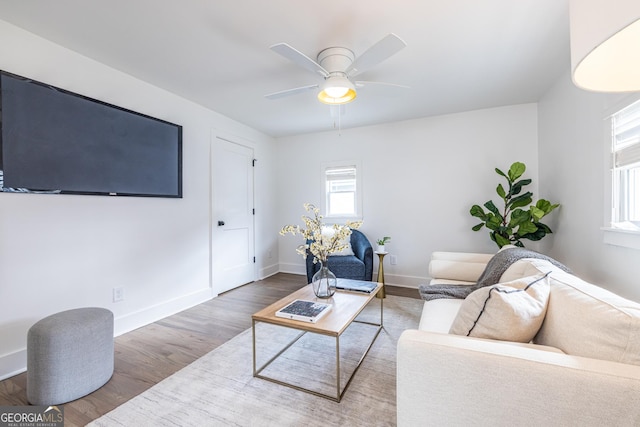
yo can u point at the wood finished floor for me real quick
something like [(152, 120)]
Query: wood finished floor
[(150, 354)]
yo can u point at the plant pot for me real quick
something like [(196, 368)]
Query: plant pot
[(380, 248)]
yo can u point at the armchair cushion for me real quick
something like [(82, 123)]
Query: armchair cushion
[(346, 266)]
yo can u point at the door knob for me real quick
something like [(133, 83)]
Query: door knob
[(220, 223)]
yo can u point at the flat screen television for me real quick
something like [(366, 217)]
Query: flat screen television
[(56, 141)]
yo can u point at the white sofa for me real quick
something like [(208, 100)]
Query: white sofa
[(582, 368)]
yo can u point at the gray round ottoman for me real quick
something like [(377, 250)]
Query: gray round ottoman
[(69, 355)]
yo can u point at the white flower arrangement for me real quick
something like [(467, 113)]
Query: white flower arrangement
[(322, 245)]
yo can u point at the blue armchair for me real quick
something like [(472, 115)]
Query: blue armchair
[(358, 266)]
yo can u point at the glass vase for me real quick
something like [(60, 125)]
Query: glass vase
[(324, 282)]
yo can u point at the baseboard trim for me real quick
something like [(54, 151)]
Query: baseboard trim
[(293, 268), (403, 281), (268, 271), (148, 315), (15, 363)]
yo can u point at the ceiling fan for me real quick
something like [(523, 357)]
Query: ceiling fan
[(338, 65)]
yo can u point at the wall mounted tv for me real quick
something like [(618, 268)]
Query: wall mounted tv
[(56, 141)]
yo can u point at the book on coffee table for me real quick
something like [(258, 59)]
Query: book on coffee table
[(356, 285), (306, 311)]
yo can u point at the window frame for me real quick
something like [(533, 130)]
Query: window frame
[(357, 216), (613, 235)]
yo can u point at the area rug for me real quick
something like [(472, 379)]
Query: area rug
[(219, 388)]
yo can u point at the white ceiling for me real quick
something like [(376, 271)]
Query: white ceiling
[(461, 55)]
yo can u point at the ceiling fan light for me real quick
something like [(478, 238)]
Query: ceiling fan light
[(337, 90), (348, 97), (605, 45)]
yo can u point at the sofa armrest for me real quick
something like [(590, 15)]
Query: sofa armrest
[(458, 266), (449, 380)]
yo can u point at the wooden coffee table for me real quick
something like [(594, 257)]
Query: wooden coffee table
[(346, 307)]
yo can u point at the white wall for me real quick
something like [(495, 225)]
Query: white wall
[(61, 252), (420, 177), (572, 170)]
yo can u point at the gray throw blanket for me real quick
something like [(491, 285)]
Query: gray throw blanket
[(490, 276)]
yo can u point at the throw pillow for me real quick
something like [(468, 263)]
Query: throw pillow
[(328, 232), (511, 311)]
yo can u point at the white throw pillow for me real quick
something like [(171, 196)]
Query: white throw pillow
[(512, 311), (586, 320), (328, 232)]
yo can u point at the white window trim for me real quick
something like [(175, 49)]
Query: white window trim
[(619, 237), (323, 191), (611, 235)]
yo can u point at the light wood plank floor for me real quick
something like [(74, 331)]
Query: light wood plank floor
[(150, 354)]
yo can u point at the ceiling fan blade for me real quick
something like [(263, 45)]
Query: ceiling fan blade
[(362, 83), (388, 46), (299, 58), (289, 92)]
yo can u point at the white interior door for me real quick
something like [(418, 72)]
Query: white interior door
[(232, 237)]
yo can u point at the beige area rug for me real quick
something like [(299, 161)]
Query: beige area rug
[(219, 388)]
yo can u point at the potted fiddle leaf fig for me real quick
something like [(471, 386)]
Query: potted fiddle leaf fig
[(518, 217)]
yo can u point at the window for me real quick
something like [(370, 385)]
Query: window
[(625, 177), (341, 189)]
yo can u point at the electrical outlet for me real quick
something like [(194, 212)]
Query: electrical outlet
[(269, 254), (393, 259), (118, 294)]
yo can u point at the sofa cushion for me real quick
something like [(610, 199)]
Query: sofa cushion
[(460, 267), (512, 311), (586, 320), (438, 315)]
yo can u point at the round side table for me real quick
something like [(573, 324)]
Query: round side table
[(382, 293)]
